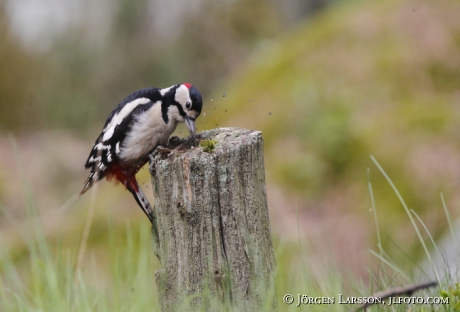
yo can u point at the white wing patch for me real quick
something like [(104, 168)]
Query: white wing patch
[(125, 111), (108, 133)]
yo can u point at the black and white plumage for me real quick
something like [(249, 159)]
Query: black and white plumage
[(135, 128)]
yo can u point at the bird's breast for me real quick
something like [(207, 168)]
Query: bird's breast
[(148, 131)]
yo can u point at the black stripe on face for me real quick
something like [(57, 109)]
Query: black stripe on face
[(165, 107), (164, 112), (167, 100), (180, 109)]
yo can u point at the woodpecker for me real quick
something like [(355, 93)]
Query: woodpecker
[(142, 122)]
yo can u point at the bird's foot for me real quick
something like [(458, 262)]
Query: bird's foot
[(173, 141), (162, 151)]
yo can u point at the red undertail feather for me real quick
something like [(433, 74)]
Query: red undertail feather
[(125, 175)]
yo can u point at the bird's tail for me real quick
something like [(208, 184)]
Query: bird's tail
[(141, 200), (88, 183)]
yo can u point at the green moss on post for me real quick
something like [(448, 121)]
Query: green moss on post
[(208, 145)]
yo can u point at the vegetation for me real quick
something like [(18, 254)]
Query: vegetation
[(362, 79), (208, 145), (47, 278)]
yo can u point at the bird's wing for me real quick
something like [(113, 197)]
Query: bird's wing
[(109, 143)]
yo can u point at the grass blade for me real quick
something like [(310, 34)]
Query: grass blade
[(408, 213)]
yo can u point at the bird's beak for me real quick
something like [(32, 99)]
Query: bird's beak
[(190, 122)]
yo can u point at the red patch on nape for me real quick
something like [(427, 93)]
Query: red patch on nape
[(187, 85)]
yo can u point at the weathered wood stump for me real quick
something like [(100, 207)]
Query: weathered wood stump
[(212, 231)]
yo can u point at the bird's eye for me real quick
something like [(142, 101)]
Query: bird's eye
[(188, 104)]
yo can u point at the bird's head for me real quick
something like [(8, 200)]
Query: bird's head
[(189, 98)]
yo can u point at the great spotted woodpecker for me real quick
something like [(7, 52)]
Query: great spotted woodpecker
[(136, 127)]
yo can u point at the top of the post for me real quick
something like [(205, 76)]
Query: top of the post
[(215, 141)]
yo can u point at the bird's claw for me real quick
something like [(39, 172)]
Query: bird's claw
[(174, 141)]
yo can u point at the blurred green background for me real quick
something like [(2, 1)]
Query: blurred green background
[(328, 82)]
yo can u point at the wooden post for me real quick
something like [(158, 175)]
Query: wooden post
[(212, 231)]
